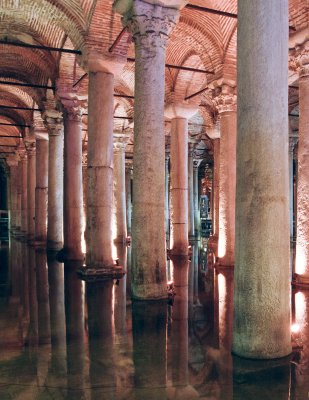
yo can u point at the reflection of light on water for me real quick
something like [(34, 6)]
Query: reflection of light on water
[(222, 239), (300, 262), (114, 236), (222, 305), (84, 247), (295, 328)]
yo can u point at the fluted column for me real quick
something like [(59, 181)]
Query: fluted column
[(31, 178), (129, 175), (120, 142), (301, 275), (100, 161), (225, 100), (24, 192), (41, 190), (54, 123), (73, 180), (179, 115), (150, 25), (12, 162), (261, 277)]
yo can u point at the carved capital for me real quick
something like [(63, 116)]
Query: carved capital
[(53, 121), (150, 25), (196, 163), (74, 108), (120, 141), (301, 59), (84, 159), (224, 98), (31, 148)]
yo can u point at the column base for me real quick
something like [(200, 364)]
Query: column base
[(300, 281), (93, 274)]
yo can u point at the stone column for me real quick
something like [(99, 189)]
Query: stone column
[(120, 142), (190, 192), (84, 172), (41, 190), (129, 174), (167, 196), (179, 115), (292, 142), (100, 162), (225, 100), (301, 275), (31, 178), (24, 192), (54, 124), (72, 180), (12, 162), (19, 190), (197, 219), (216, 179), (262, 286), (150, 25)]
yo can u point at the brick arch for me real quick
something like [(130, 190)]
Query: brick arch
[(230, 57)]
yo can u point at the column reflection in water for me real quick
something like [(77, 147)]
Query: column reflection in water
[(25, 288), (149, 349), (42, 296), (75, 330), (15, 273), (100, 300), (33, 334), (179, 334), (58, 368)]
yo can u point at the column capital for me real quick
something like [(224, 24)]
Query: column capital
[(84, 159), (150, 22), (301, 54), (224, 97), (109, 63), (21, 151), (129, 164), (292, 143), (74, 105), (180, 110), (30, 148), (53, 121), (196, 163), (120, 141)]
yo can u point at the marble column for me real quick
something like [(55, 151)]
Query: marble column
[(179, 114), (191, 227), (301, 275), (216, 179), (41, 190), (292, 142), (120, 234), (167, 196), (262, 286), (225, 100), (129, 175), (150, 25), (31, 178), (72, 180), (12, 162), (24, 192), (84, 173), (19, 203), (54, 123), (102, 72), (197, 218)]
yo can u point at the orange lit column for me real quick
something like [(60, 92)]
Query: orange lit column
[(167, 196), (41, 190), (12, 162), (73, 181), (225, 100), (31, 178), (120, 142), (150, 25), (261, 275), (179, 115), (54, 123), (24, 192), (301, 275)]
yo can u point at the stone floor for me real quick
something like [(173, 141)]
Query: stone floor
[(63, 339)]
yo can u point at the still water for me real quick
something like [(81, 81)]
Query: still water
[(63, 339)]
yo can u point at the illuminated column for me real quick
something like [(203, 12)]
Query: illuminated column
[(120, 142), (129, 175), (179, 114), (190, 191), (225, 100), (262, 285), (31, 178), (197, 219), (12, 162), (54, 123), (167, 195), (301, 275), (73, 180), (84, 172), (19, 190), (102, 72), (24, 192), (41, 190), (150, 25), (216, 179), (292, 143)]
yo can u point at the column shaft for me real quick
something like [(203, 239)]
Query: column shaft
[(120, 193), (179, 186), (73, 185), (167, 197), (14, 195), (190, 193), (129, 197), (41, 191), (100, 170), (31, 192), (262, 286), (216, 179), (24, 195), (197, 219)]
